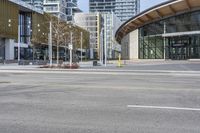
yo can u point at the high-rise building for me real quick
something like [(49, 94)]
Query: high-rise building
[(124, 9), (92, 23), (36, 3), (56, 7), (72, 8), (111, 24), (102, 28), (64, 9)]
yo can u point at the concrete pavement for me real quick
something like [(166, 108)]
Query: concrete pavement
[(122, 100), (131, 65)]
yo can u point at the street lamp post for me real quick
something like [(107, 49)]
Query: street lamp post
[(71, 48), (65, 49), (18, 44), (164, 41), (50, 43), (65, 42), (81, 46), (101, 47), (105, 45)]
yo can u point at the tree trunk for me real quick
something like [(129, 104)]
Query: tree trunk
[(57, 54)]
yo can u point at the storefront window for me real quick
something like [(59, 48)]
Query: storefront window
[(152, 44)]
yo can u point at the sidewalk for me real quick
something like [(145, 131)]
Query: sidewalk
[(135, 65), (17, 67), (83, 66)]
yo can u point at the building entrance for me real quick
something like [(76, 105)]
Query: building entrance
[(179, 47)]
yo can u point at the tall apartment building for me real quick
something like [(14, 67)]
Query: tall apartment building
[(92, 23), (111, 23), (36, 3), (124, 9), (56, 7), (64, 9), (72, 8), (102, 28)]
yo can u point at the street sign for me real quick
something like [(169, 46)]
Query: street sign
[(70, 46)]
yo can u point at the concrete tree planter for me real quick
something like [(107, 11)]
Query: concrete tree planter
[(62, 66)]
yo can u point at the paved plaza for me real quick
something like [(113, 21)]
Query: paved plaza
[(137, 98)]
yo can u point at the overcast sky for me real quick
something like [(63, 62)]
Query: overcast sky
[(83, 4)]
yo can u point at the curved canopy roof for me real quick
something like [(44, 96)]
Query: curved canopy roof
[(158, 12)]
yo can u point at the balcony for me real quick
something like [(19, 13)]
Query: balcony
[(47, 2)]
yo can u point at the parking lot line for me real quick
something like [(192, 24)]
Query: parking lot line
[(163, 107)]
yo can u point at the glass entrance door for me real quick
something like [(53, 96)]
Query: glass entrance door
[(179, 53), (179, 47)]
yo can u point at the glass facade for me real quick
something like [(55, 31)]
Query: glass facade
[(25, 23), (123, 9), (2, 49), (25, 27), (155, 44)]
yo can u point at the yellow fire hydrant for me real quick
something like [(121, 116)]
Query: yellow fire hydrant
[(119, 61)]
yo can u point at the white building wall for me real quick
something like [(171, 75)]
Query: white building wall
[(125, 48), (9, 49), (134, 42), (130, 46)]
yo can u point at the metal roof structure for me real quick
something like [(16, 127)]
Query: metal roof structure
[(156, 13)]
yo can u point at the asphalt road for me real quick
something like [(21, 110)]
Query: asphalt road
[(99, 102)]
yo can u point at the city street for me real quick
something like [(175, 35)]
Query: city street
[(99, 66), (123, 100)]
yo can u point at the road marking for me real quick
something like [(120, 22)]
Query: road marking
[(103, 70), (163, 107), (98, 73)]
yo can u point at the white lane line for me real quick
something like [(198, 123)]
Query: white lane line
[(105, 70), (97, 73), (162, 107)]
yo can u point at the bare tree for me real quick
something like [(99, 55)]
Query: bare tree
[(60, 33)]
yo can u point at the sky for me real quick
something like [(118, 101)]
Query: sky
[(83, 4)]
